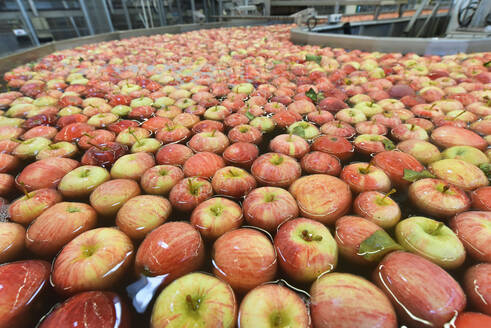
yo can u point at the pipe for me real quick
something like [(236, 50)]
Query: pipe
[(193, 9), (162, 17), (126, 14), (108, 16), (85, 11), (28, 23)]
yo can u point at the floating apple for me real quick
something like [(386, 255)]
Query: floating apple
[(378, 208), (275, 169), (473, 230), (81, 181), (109, 196), (11, 240), (46, 173), (365, 177), (25, 209)]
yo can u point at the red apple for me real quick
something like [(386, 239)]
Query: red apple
[(474, 231), (378, 208), (241, 154), (160, 179), (203, 164), (338, 128), (291, 145), (108, 197), (45, 173), (214, 141), (321, 163), (8, 163), (449, 136), (244, 258), (173, 154), (11, 240), (481, 199), (233, 182), (95, 259), (472, 319), (25, 209), (276, 169), (334, 145), (394, 163), (190, 192), (477, 285)]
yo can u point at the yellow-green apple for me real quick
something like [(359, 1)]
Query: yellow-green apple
[(109, 196), (407, 131), (23, 286), (141, 214), (189, 192), (148, 145), (448, 136), (459, 173), (372, 143), (474, 231), (89, 309), (351, 115), (57, 226), (31, 147), (45, 173), (335, 145), (95, 259), (304, 129), (466, 153), (160, 179), (241, 154), (266, 124), (368, 108), (362, 241), (394, 164), (423, 294), (276, 169), (233, 182), (173, 154), (424, 151), (28, 207), (289, 144), (214, 141), (244, 258), (132, 166), (438, 198), (317, 162), (195, 300), (432, 240), (378, 208), (268, 207), (477, 286), (273, 305), (481, 199), (365, 177), (171, 251), (131, 135), (11, 240), (306, 249), (215, 216), (81, 181), (203, 164), (343, 300), (322, 197), (216, 113), (59, 149)]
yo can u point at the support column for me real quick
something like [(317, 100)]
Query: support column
[(83, 6), (28, 23)]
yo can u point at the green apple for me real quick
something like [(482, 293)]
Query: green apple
[(132, 166), (31, 147), (59, 149), (45, 101), (121, 110), (195, 300), (129, 88), (6, 121), (102, 119), (432, 240), (81, 181), (369, 108), (19, 110), (163, 102), (149, 145), (69, 110), (304, 129), (263, 123), (131, 135), (424, 151), (142, 101), (466, 153), (351, 115), (246, 88)]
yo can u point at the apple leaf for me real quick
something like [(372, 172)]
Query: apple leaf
[(377, 245), (411, 175), (486, 168), (388, 144), (312, 95), (249, 115), (313, 58), (299, 131), (80, 59), (487, 64)]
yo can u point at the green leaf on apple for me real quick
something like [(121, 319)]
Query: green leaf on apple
[(249, 115), (486, 168), (313, 58), (388, 144), (312, 95), (411, 175), (80, 59), (299, 131), (377, 245), (487, 64)]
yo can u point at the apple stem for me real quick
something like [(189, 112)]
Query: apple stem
[(193, 304), (22, 186), (339, 125), (438, 227), (393, 190), (193, 187), (98, 146), (276, 159), (213, 132), (308, 236), (455, 117), (412, 127), (290, 136), (445, 188), (16, 140), (365, 170), (132, 132), (87, 135)]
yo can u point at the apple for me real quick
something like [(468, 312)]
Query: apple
[(131, 135), (474, 231), (406, 131), (263, 123), (275, 169), (387, 118), (437, 198), (132, 166), (291, 145), (244, 258), (215, 216), (141, 214), (320, 163), (57, 226), (424, 151), (241, 154), (422, 293), (477, 286), (233, 182), (481, 199), (173, 154), (394, 164), (104, 154), (351, 115), (321, 197), (23, 285), (472, 319), (370, 127), (195, 300), (203, 164), (362, 241), (189, 193), (7, 183), (338, 128), (59, 149), (368, 144), (273, 305), (108, 197), (466, 153), (378, 208), (171, 251), (41, 131), (149, 145), (11, 240), (306, 249), (334, 145), (268, 207), (459, 173), (160, 179), (46, 173), (81, 181), (344, 300), (95, 259), (423, 123), (28, 207), (214, 141), (89, 309), (73, 131), (31, 147), (245, 133), (216, 113), (365, 177), (448, 136)]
